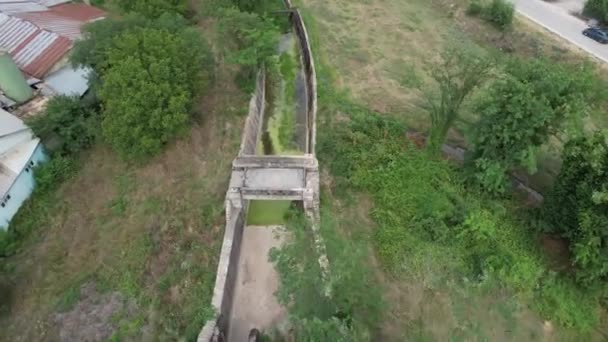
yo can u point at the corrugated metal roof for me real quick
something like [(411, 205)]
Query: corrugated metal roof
[(68, 81), (33, 49), (21, 6), (66, 19)]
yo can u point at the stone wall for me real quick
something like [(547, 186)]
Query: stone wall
[(253, 125), (226, 272), (311, 76)]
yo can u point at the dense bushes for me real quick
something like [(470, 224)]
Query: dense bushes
[(498, 12), (597, 9), (578, 205)]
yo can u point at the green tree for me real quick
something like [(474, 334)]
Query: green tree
[(534, 100), (577, 206), (455, 76), (148, 90), (154, 8), (597, 9), (68, 126), (100, 36), (249, 39)]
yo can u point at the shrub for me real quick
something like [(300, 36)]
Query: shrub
[(578, 207), (500, 13)]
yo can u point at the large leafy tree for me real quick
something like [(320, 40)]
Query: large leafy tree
[(148, 88), (534, 100), (100, 36), (577, 207)]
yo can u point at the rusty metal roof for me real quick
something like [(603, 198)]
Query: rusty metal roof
[(20, 6), (33, 49), (65, 19)]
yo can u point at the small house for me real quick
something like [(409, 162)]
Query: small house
[(20, 152)]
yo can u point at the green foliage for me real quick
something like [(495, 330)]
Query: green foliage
[(430, 226), (100, 37), (154, 8), (499, 13), (148, 90), (68, 126), (577, 206), (534, 100), (461, 69), (51, 174), (249, 39), (597, 9), (353, 308)]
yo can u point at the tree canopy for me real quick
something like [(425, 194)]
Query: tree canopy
[(154, 8), (535, 99), (148, 89)]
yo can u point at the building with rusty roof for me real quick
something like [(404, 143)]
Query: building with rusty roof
[(37, 38)]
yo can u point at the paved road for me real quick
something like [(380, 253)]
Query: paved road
[(559, 21)]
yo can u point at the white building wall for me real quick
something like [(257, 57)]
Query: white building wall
[(21, 188)]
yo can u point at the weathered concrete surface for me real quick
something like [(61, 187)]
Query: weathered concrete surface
[(254, 304)]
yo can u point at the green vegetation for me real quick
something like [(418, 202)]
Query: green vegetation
[(430, 224), (532, 102), (461, 69), (69, 125), (354, 305), (578, 205), (499, 13), (148, 92), (154, 8), (597, 9)]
